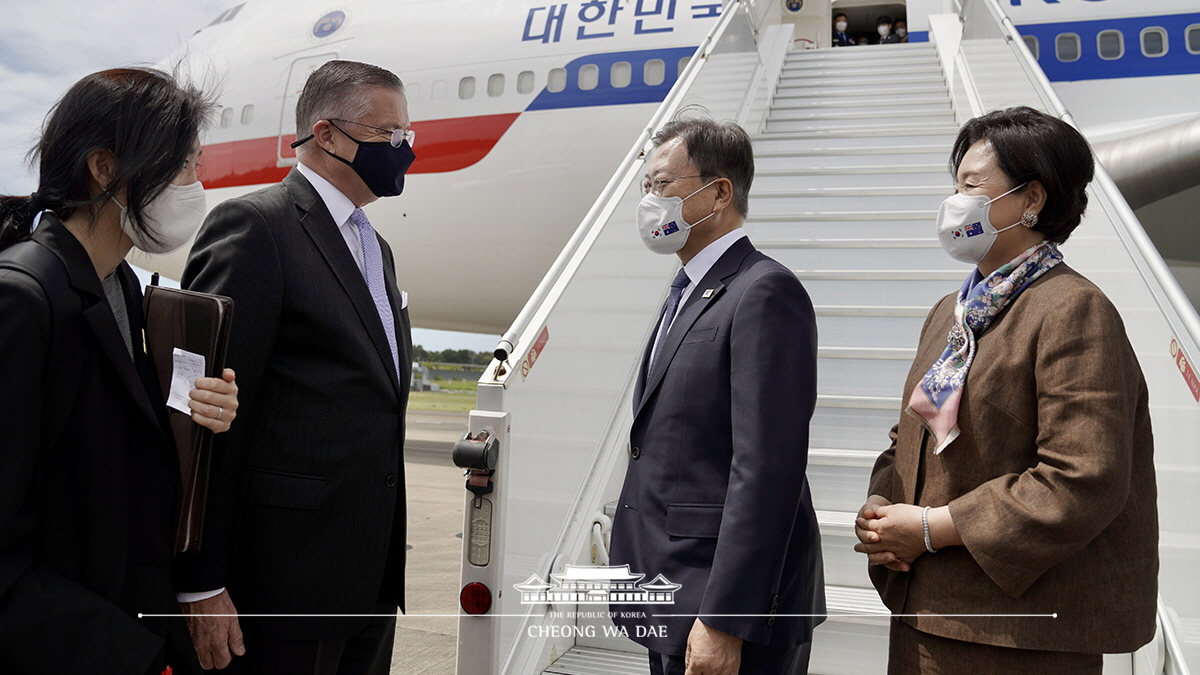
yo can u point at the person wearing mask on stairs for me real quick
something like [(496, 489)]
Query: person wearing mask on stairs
[(901, 29), (841, 38), (1013, 521), (884, 26)]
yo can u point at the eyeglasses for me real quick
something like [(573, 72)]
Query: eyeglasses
[(656, 185), (398, 136)]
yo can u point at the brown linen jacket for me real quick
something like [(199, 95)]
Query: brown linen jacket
[(1050, 482)]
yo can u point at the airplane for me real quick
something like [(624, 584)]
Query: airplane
[(522, 109)]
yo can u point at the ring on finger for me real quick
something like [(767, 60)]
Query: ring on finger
[(220, 411)]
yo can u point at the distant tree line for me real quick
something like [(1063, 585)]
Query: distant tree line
[(463, 356)]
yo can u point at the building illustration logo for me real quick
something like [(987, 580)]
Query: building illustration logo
[(583, 585)]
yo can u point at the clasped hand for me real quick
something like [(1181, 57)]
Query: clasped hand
[(890, 534)]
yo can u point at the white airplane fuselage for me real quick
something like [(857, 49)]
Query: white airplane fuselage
[(523, 109)]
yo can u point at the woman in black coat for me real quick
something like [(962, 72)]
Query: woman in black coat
[(88, 470)]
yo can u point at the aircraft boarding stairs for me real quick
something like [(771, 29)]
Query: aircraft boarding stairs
[(851, 165), (849, 173)]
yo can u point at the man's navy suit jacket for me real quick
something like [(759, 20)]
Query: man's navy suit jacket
[(715, 497)]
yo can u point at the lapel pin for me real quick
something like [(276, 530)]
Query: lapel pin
[(707, 293)]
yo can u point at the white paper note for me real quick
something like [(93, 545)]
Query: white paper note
[(187, 367)]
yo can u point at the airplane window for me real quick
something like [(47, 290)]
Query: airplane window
[(557, 80), (1032, 43), (1110, 44), (683, 63), (248, 114), (654, 73), (525, 82), (412, 92), (621, 74), (226, 118), (466, 88), (1154, 42), (496, 85), (438, 92), (1066, 47), (1193, 38), (589, 77)]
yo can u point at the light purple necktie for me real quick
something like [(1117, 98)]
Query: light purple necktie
[(373, 272)]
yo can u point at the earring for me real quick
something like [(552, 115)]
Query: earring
[(1029, 219)]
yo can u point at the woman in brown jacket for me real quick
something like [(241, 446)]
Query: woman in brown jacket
[(1012, 524)]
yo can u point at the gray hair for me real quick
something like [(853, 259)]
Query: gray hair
[(717, 150), (340, 89)]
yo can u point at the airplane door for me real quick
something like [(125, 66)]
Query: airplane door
[(297, 76)]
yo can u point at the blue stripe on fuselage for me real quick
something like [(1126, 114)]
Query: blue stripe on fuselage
[(605, 93), (1177, 60)]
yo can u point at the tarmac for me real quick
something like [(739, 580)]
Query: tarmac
[(427, 633)]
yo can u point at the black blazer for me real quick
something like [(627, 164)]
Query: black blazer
[(715, 497), (306, 509), (87, 474)]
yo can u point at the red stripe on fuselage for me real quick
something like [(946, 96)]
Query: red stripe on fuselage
[(442, 145)]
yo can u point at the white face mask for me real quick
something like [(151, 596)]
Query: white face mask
[(883, 31), (901, 32), (173, 216), (964, 229), (841, 26), (661, 225)]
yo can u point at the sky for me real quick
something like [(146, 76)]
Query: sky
[(48, 45)]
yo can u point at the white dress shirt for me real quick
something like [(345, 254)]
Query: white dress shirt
[(696, 268)]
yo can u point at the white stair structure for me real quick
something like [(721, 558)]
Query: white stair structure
[(851, 151), (850, 170)]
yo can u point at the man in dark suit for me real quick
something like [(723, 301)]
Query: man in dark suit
[(307, 511), (840, 37), (715, 497)]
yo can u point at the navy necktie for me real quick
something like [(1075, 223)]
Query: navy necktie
[(373, 272), (681, 281)]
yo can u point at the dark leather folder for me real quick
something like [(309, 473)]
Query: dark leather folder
[(198, 323)]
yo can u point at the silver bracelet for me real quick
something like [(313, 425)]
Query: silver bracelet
[(925, 525)]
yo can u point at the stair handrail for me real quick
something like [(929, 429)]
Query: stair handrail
[(615, 187), (1172, 301)]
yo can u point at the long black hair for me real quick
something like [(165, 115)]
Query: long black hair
[(145, 117)]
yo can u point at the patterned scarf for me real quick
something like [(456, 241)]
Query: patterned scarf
[(935, 400)]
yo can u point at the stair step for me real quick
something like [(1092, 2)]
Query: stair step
[(860, 81), (596, 661), (804, 60), (877, 165), (942, 112), (918, 192), (855, 604), (882, 68), (932, 133), (780, 142), (881, 275), (832, 215), (829, 102), (863, 177), (849, 95), (874, 128), (864, 353)]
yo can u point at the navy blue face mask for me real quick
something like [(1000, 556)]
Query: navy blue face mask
[(380, 165)]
